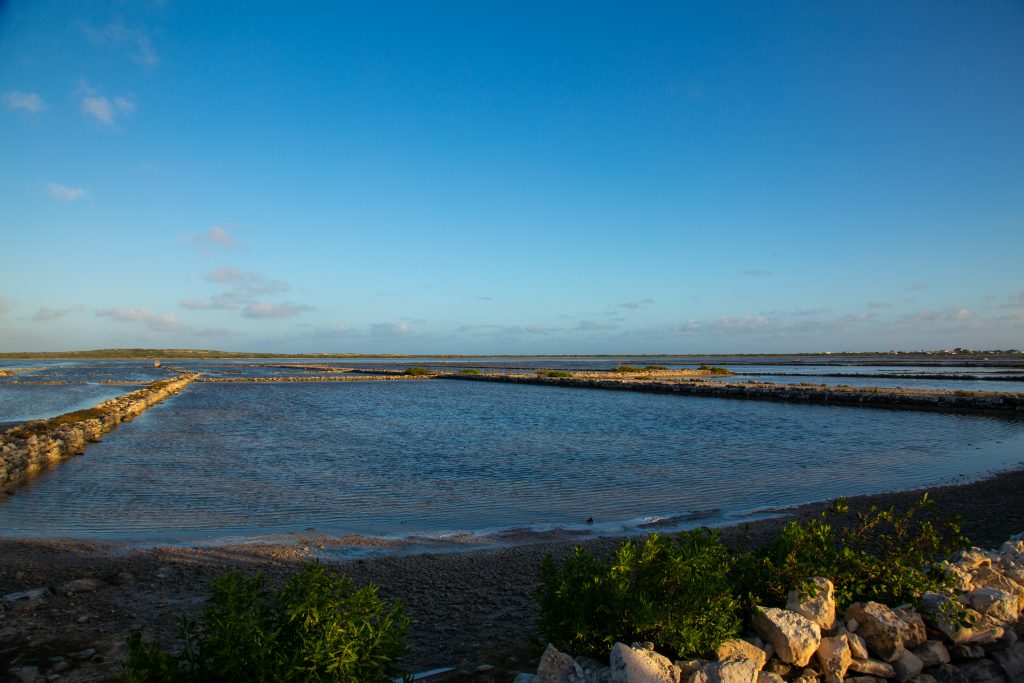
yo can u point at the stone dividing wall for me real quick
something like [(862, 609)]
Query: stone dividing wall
[(316, 378), (30, 447), (974, 402), (8, 372)]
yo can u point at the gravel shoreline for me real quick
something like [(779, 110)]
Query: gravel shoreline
[(468, 608)]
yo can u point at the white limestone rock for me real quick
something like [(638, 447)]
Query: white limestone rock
[(858, 648), (906, 666), (872, 667), (640, 665), (912, 628), (795, 637), (881, 628), (932, 653), (734, 648), (731, 670), (972, 559), (817, 603), (834, 657), (987, 577), (555, 666), (993, 602)]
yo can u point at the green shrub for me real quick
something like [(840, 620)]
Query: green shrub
[(655, 367), (416, 372), (672, 591), (543, 372), (319, 627), (469, 371), (627, 369), (884, 556), (714, 370)]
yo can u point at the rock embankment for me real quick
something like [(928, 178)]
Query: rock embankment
[(8, 372), (970, 636), (313, 378), (30, 447), (865, 397)]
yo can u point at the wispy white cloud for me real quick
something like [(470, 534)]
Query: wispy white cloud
[(950, 314), (878, 305), (591, 326), (399, 329), (245, 282), (265, 310), (216, 235), (65, 193), (245, 293), (1014, 302), (160, 323), (635, 305), (46, 314), (222, 302), (25, 102), (116, 34), (124, 105), (490, 331), (337, 331), (100, 107)]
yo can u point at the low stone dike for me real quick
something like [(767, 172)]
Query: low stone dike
[(8, 372), (33, 446), (319, 378), (864, 397)]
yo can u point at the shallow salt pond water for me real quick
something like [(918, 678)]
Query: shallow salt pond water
[(432, 458), (20, 402)]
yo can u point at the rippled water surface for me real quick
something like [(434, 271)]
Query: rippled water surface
[(20, 402), (430, 457)]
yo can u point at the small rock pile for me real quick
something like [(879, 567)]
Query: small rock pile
[(807, 642)]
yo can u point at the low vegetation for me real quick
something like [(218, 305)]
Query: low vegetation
[(416, 372), (319, 627), (714, 370), (469, 371), (543, 372), (673, 591), (688, 593), (626, 369), (630, 369)]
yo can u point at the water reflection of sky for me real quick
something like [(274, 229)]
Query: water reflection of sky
[(437, 457)]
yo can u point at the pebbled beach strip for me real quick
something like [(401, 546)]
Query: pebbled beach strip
[(468, 608)]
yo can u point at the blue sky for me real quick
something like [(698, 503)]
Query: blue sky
[(512, 178)]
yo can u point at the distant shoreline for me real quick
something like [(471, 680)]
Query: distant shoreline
[(985, 358)]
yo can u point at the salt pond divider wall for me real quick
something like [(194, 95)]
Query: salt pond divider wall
[(951, 402)]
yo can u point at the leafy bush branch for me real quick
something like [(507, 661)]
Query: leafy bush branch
[(319, 627)]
